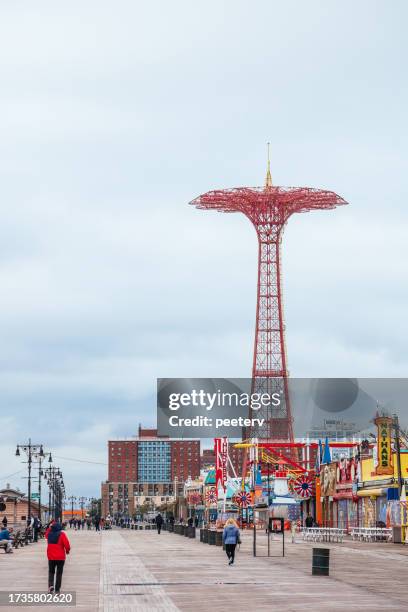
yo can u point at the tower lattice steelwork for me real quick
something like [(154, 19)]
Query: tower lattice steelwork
[(269, 208)]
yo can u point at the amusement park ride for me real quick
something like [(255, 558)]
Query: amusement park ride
[(269, 208), (275, 460)]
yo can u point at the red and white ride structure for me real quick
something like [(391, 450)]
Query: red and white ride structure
[(269, 208)]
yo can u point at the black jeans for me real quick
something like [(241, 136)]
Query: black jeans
[(230, 550), (158, 527), (52, 566)]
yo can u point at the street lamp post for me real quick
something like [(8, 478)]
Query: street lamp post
[(40, 458), (56, 491), (82, 501), (72, 499), (31, 451)]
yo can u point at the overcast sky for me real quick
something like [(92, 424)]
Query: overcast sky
[(113, 116)]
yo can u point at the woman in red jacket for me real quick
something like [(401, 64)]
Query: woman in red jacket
[(57, 549)]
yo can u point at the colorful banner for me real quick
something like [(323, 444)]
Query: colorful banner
[(328, 479), (243, 498), (384, 450), (221, 461), (211, 496), (304, 486), (194, 499)]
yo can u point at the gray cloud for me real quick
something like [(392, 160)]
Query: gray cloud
[(112, 120)]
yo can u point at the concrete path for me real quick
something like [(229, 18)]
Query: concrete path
[(131, 571)]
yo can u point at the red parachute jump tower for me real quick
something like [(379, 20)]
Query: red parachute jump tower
[(269, 208)]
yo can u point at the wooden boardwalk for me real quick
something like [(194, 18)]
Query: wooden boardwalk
[(124, 570)]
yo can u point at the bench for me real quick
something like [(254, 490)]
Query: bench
[(323, 534), (5, 544), (22, 537), (18, 539), (371, 534)]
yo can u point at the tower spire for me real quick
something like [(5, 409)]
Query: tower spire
[(268, 180)]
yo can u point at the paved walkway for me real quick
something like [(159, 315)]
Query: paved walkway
[(142, 571)]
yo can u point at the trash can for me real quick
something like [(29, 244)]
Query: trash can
[(321, 560), (211, 536), (205, 536), (192, 532), (397, 535), (218, 538)]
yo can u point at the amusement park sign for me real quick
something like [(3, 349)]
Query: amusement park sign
[(384, 450), (221, 461)]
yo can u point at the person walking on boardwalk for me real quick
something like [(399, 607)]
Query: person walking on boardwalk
[(36, 528), (231, 537), (159, 522), (309, 521), (57, 549)]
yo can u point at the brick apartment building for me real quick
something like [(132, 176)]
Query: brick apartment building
[(235, 454), (147, 469)]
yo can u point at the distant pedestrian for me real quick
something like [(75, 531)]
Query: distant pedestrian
[(57, 549), (293, 529), (97, 522), (36, 528), (159, 522), (231, 537), (4, 522), (309, 521), (196, 520)]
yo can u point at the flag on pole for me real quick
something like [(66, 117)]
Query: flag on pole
[(326, 454), (319, 452)]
